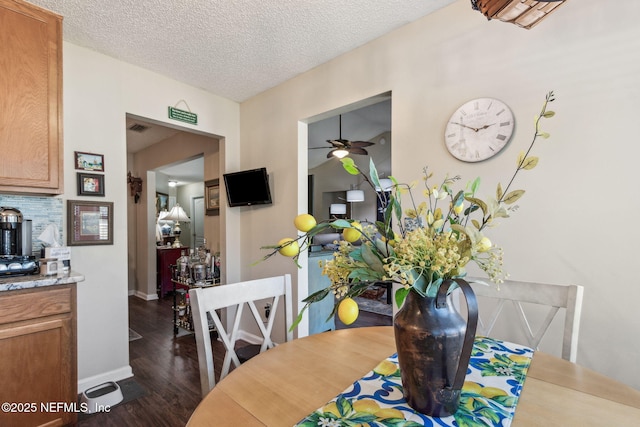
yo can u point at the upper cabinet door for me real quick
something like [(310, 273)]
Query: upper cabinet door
[(30, 99)]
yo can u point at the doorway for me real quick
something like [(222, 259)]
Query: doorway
[(159, 153), (329, 187)]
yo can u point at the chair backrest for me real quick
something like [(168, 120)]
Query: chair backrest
[(205, 302), (555, 297)]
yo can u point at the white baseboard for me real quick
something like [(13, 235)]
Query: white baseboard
[(249, 337), (116, 375), (146, 297)]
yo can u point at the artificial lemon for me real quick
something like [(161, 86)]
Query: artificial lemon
[(472, 387), (304, 222), (387, 413), (288, 249), (368, 406), (521, 360), (352, 234), (385, 368), (348, 311), (492, 392)]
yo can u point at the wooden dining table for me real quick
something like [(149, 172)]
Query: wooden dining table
[(285, 384)]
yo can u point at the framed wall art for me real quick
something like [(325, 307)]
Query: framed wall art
[(162, 202), (89, 161), (212, 196), (90, 184), (89, 223)]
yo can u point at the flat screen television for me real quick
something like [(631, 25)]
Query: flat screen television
[(248, 187)]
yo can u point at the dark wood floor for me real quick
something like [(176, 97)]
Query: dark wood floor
[(167, 368)]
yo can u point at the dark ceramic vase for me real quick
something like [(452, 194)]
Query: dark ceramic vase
[(434, 345)]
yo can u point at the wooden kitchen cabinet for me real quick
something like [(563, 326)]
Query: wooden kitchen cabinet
[(38, 353), (30, 99)]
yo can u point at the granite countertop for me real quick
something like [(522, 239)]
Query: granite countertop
[(11, 283)]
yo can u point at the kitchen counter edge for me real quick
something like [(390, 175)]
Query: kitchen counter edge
[(13, 283)]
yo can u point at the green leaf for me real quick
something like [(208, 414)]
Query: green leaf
[(400, 295), (460, 229), (513, 196), (317, 296), (365, 275), (499, 191), (294, 325), (478, 202), (373, 174), (458, 198), (344, 406), (529, 163), (350, 166), (475, 223), (470, 209), (372, 259), (548, 114), (520, 159), (475, 185), (341, 223), (544, 135)]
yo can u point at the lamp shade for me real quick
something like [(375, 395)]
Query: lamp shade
[(338, 209), (385, 185), (177, 214), (355, 196)]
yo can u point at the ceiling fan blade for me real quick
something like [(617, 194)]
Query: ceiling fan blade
[(338, 143), (318, 148), (357, 150), (361, 143)]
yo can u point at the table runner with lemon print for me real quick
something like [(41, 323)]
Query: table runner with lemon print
[(496, 373)]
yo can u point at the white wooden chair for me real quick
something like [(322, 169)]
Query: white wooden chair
[(207, 300), (568, 297)]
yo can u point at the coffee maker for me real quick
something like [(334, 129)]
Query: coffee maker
[(15, 243)]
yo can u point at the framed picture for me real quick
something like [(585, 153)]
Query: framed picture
[(162, 202), (212, 196), (90, 184), (89, 161), (89, 223)]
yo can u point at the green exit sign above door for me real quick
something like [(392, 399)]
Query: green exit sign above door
[(183, 116)]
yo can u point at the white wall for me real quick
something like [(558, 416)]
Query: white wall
[(98, 92), (575, 224)]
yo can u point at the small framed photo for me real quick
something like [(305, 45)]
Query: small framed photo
[(89, 223), (90, 184), (89, 161), (212, 196)]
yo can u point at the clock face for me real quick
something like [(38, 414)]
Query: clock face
[(479, 129)]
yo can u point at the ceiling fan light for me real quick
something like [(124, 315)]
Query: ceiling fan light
[(340, 153)]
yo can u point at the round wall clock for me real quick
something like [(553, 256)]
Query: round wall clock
[(479, 129)]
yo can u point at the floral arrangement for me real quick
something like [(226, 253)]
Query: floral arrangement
[(418, 246)]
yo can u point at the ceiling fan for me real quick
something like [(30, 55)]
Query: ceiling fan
[(344, 147)]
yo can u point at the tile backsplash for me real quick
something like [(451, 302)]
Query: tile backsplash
[(42, 211)]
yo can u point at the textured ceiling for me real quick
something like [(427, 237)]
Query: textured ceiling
[(232, 48)]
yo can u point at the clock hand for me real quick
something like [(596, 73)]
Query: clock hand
[(465, 126), (485, 126)]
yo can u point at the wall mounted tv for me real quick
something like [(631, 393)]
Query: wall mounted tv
[(247, 188)]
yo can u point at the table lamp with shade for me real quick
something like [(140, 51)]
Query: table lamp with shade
[(338, 209), (177, 214)]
